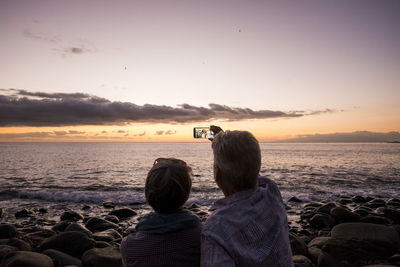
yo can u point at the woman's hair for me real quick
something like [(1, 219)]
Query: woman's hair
[(237, 155), (168, 184)]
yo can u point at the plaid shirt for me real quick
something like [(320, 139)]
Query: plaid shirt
[(248, 228)]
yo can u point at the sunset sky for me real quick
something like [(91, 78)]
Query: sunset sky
[(147, 71)]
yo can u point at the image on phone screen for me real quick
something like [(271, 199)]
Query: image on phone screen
[(203, 132)]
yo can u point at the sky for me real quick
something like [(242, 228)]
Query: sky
[(149, 71)]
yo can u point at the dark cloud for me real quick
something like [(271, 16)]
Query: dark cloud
[(48, 39), (141, 134), (104, 132), (121, 131), (75, 132), (25, 135), (60, 133), (39, 134), (354, 137), (159, 133), (24, 108), (75, 48)]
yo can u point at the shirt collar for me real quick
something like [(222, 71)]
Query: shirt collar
[(233, 198)]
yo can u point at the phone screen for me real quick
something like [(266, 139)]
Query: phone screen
[(203, 132)]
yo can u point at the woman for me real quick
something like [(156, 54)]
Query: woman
[(169, 236)]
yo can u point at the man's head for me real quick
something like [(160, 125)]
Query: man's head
[(237, 160), (168, 185)]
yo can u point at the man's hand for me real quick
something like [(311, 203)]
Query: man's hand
[(215, 130)]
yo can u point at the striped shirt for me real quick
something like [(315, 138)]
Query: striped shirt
[(248, 228), (180, 248)]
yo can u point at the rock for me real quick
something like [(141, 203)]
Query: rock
[(363, 211), (392, 214), (326, 260), (72, 243), (86, 207), (123, 213), (102, 244), (376, 203), (194, 205), (314, 254), (313, 204), (302, 261), (359, 199), (326, 208), (24, 213), (396, 227), (27, 259), (323, 233), (341, 214), (305, 232), (295, 199), (393, 202), (379, 265), (109, 205), (374, 219), (354, 252), (298, 246), (71, 215), (384, 236), (20, 244), (79, 228), (95, 224), (61, 258), (107, 235), (37, 237), (60, 227), (345, 200), (306, 215), (5, 249), (42, 210), (394, 259), (135, 203), (322, 220), (105, 257), (8, 231), (2, 212), (111, 218), (318, 242)]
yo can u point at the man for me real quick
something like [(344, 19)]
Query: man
[(249, 226)]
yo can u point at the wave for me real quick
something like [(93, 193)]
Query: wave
[(121, 197)]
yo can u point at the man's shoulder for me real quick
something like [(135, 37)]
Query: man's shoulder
[(227, 219)]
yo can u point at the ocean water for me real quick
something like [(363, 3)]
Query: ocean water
[(87, 173)]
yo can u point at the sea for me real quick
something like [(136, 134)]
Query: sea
[(45, 174)]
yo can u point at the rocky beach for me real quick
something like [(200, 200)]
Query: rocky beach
[(349, 232), (65, 204)]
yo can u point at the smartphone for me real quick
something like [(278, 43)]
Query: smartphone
[(203, 132)]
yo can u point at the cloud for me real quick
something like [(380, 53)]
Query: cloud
[(25, 135), (60, 133), (75, 47), (24, 108), (121, 131), (40, 134), (48, 39), (170, 132), (141, 134), (104, 132), (75, 132), (159, 133), (353, 137)]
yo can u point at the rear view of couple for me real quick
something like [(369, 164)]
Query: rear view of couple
[(248, 227)]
